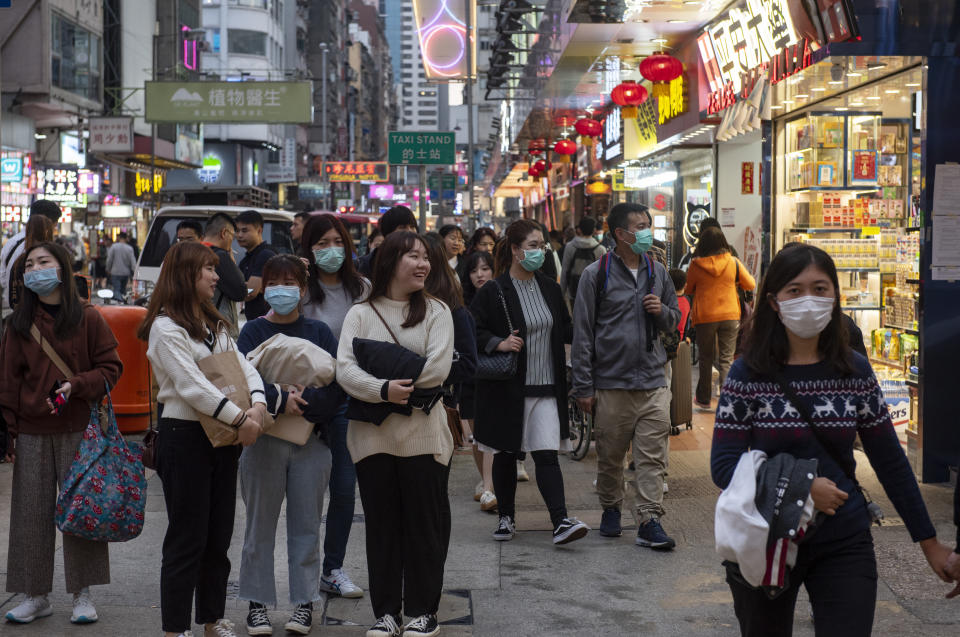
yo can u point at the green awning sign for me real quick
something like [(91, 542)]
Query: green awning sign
[(422, 148), (229, 102)]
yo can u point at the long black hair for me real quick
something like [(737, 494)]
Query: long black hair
[(442, 282), (515, 234), (71, 306), (766, 348), (385, 262), (474, 259), (313, 231)]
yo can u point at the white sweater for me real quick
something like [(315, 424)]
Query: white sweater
[(398, 435), (184, 390)]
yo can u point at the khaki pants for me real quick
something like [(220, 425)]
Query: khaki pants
[(642, 417), (717, 342)]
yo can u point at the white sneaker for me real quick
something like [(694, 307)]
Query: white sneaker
[(224, 628), (665, 488), (488, 501), (338, 583), (478, 491), (522, 475), (30, 609), (83, 610)]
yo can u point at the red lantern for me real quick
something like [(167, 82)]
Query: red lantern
[(661, 69), (536, 147), (533, 172), (588, 129), (565, 148), (543, 165), (629, 95)]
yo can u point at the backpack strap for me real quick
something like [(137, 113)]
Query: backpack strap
[(13, 251)]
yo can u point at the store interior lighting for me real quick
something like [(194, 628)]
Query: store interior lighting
[(657, 179)]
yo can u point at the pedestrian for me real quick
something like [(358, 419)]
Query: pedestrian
[(477, 270), (483, 239), (296, 228), (189, 230), (453, 245), (272, 469), (398, 218), (333, 287), (250, 237), (800, 390), (583, 250), (43, 438), (199, 481), (526, 413), (39, 229), (14, 247), (618, 363), (121, 264), (374, 240), (231, 284), (679, 278), (100, 262), (404, 463), (713, 280), (551, 262)]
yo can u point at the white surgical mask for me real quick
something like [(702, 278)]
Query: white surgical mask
[(806, 316)]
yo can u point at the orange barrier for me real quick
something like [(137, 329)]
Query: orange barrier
[(131, 396)]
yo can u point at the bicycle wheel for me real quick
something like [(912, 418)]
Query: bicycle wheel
[(581, 430)]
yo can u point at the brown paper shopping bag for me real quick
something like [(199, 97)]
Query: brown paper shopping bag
[(226, 374)]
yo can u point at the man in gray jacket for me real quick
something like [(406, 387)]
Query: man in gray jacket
[(121, 264), (623, 301)]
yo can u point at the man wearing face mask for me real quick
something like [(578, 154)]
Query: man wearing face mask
[(623, 301), (231, 287)]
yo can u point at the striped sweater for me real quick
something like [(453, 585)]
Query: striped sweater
[(753, 413)]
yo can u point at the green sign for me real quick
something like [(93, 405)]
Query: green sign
[(229, 102), (442, 182), (422, 148)]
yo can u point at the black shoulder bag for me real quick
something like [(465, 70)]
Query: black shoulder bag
[(498, 365), (873, 509)]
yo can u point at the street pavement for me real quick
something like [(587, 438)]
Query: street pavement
[(596, 586)]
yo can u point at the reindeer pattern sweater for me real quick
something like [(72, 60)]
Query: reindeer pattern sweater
[(753, 413)]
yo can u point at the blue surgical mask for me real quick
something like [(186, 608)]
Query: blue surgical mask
[(329, 259), (282, 298), (43, 282), (532, 260), (642, 241)]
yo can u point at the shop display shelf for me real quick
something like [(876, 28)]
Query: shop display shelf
[(861, 308), (824, 230), (858, 269), (913, 382), (908, 330), (913, 281), (886, 363), (913, 228)]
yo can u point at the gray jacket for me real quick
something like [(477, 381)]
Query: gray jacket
[(121, 260), (610, 347)]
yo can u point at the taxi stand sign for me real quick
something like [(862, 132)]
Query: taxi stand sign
[(424, 148)]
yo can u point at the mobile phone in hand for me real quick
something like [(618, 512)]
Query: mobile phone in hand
[(59, 402)]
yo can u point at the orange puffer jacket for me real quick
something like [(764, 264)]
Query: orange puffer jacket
[(711, 282)]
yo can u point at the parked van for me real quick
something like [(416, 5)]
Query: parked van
[(163, 234)]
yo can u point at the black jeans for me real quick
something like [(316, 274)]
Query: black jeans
[(549, 481), (200, 491), (841, 579), (408, 521)]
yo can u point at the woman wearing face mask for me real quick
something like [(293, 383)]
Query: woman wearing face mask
[(333, 286), (526, 413), (42, 440), (800, 390), (273, 469), (477, 270), (713, 279), (404, 463)]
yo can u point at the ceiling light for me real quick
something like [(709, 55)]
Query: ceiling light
[(39, 136), (659, 41), (801, 97), (691, 2), (873, 66), (775, 107), (818, 89), (912, 84), (835, 82), (676, 21), (842, 108), (892, 91), (854, 74), (873, 97), (856, 103), (788, 101)]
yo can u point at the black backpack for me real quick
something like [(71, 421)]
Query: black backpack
[(582, 257)]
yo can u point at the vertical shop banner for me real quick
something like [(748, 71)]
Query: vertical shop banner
[(746, 178), (444, 42), (640, 134)]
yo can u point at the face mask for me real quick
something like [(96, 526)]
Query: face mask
[(43, 282), (806, 316), (329, 259), (642, 241), (532, 260), (282, 298)]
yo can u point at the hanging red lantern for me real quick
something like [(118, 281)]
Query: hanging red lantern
[(536, 147), (661, 69), (565, 148), (533, 172), (543, 165), (588, 129), (628, 95)]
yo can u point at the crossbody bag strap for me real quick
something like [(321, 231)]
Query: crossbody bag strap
[(50, 352), (382, 320), (503, 302)]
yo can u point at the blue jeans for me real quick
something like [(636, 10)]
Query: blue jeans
[(119, 285), (343, 495)]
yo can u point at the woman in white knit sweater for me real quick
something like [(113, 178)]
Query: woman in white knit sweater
[(404, 463), (199, 481)]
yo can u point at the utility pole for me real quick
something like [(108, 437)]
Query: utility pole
[(323, 117), (470, 80)]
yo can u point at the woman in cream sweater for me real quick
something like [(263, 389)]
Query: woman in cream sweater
[(404, 463)]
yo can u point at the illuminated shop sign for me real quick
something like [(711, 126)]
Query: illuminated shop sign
[(673, 104), (347, 171), (66, 185), (11, 169), (443, 38), (143, 186), (613, 134)]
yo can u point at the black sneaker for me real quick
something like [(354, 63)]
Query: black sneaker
[(651, 534), (422, 626), (258, 622), (610, 523), (568, 530), (386, 626), (301, 620), (505, 529)]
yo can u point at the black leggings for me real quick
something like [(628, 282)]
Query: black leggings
[(549, 481)]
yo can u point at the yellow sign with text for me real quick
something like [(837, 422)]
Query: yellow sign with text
[(673, 104)]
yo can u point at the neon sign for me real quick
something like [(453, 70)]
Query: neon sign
[(443, 38), (189, 49)]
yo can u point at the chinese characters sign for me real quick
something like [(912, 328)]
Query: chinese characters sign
[(356, 171), (111, 134), (222, 102), (422, 148), (674, 104), (443, 38), (66, 185), (746, 178), (864, 167)]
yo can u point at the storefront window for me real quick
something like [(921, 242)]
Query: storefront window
[(75, 58), (244, 42)]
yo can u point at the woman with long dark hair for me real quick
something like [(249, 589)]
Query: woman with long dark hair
[(483, 240), (333, 286), (404, 463), (477, 270), (39, 229), (42, 438), (183, 327), (453, 246), (713, 280), (526, 413), (800, 390)]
